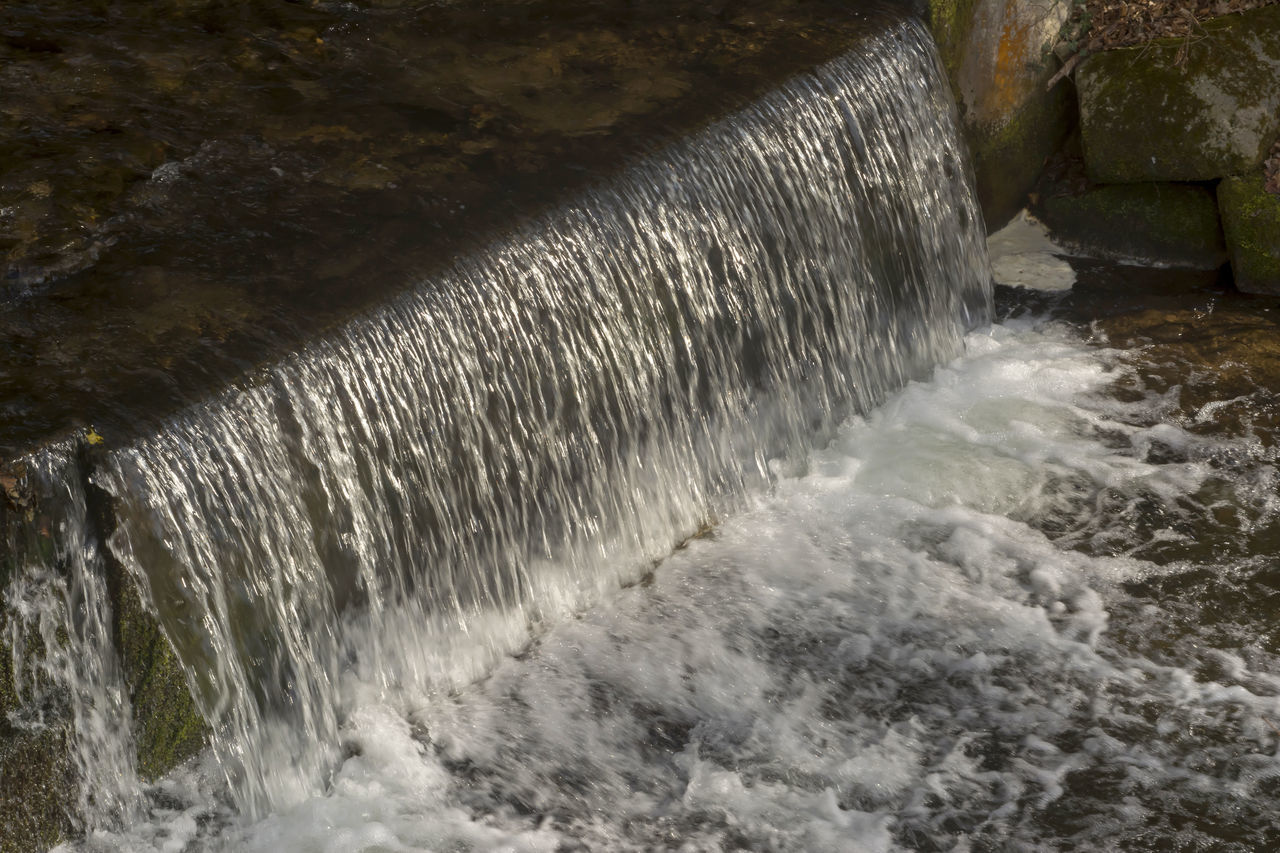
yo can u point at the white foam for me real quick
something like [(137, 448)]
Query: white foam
[(1023, 255), (887, 650)]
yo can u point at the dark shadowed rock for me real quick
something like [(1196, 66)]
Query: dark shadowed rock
[(1174, 224), (1251, 220)]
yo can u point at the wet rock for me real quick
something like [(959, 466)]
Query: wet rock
[(1251, 220), (1174, 224), (1184, 110), (168, 728), (35, 776)]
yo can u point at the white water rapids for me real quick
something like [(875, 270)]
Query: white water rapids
[(906, 647)]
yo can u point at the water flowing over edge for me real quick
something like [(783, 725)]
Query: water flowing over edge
[(499, 446)]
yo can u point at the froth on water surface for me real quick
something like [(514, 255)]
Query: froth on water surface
[(980, 621)]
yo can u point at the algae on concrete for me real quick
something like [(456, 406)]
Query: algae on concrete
[(1184, 110), (1251, 220), (1173, 224)]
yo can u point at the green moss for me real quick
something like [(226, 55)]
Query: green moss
[(1179, 110), (951, 21), (1176, 224), (168, 728), (35, 778), (1251, 220)]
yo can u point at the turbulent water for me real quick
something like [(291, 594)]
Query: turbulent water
[(907, 647)]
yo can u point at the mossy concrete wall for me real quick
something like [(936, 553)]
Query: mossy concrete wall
[(997, 55)]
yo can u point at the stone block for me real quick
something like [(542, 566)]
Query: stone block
[(1173, 224), (1251, 221), (1184, 109), (996, 55)]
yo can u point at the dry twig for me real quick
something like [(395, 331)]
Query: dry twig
[(1109, 24)]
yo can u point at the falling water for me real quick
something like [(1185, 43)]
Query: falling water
[(57, 623), (396, 504)]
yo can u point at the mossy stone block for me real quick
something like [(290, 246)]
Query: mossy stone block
[(37, 784), (1174, 224), (1251, 220), (167, 725), (1184, 110)]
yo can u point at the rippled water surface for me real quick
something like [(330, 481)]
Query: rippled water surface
[(1027, 604)]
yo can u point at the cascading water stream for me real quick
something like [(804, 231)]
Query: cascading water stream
[(504, 442), (59, 631)]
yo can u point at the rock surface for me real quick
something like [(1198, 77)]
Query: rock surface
[(1251, 220), (996, 54), (34, 788), (1184, 109), (1173, 224)]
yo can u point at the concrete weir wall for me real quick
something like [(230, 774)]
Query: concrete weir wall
[(998, 54), (995, 54)]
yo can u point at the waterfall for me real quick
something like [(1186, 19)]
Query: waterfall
[(58, 627), (401, 500)]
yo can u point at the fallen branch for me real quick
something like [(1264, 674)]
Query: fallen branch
[(1065, 70)]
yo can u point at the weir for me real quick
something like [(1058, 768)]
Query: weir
[(401, 500)]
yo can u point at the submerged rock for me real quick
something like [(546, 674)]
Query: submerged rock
[(1184, 109), (1251, 220), (1173, 224)]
